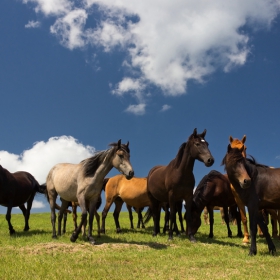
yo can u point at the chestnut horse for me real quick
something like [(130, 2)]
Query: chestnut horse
[(175, 181), (214, 190), (258, 186), (132, 192), (236, 143), (16, 189), (239, 144), (83, 183)]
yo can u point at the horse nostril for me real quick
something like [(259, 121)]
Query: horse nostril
[(131, 173), (247, 181), (210, 160)]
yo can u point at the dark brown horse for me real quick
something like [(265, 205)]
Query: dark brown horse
[(175, 181), (214, 190), (16, 189), (258, 186)]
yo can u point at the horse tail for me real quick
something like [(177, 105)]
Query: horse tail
[(105, 181), (42, 188), (148, 215)]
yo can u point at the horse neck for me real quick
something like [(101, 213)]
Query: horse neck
[(187, 162)]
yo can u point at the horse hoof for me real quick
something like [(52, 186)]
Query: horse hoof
[(54, 237), (192, 239), (91, 240), (12, 232), (26, 229), (73, 238)]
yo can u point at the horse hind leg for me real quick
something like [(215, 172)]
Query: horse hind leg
[(116, 214), (23, 210), (226, 218), (27, 213)]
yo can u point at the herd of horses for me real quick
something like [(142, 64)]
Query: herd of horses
[(245, 183)]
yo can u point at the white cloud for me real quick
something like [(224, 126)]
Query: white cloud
[(32, 24), (165, 108), (138, 109), (44, 155), (168, 43)]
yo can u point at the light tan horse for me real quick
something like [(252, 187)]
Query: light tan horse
[(132, 192), (83, 183)]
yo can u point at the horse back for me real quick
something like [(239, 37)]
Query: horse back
[(17, 188), (267, 185), (63, 178)]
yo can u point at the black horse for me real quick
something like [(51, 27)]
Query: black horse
[(214, 190), (16, 189), (259, 189)]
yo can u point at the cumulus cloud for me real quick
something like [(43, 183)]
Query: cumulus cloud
[(32, 24), (168, 43), (138, 109), (44, 155), (165, 108)]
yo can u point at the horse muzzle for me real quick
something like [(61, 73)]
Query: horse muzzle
[(209, 162), (245, 184), (130, 175)]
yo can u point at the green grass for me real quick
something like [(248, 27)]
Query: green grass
[(133, 254)]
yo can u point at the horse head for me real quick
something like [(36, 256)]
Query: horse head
[(235, 166), (239, 144), (121, 159), (199, 148)]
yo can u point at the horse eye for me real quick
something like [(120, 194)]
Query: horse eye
[(121, 156)]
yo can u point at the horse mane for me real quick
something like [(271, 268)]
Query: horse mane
[(179, 156), (233, 156), (207, 178), (91, 164)]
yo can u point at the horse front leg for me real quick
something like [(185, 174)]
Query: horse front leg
[(82, 203), (253, 216), (211, 221), (8, 218), (264, 229), (97, 216), (92, 207), (188, 216), (129, 208)]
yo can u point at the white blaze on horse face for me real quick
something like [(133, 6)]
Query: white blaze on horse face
[(202, 140)]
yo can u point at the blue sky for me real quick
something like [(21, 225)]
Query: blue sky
[(78, 75)]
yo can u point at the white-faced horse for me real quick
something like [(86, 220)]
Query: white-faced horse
[(83, 183)]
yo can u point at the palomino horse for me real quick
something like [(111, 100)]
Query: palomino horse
[(132, 192), (258, 186), (206, 212), (175, 181), (83, 183), (239, 144), (16, 189), (213, 190)]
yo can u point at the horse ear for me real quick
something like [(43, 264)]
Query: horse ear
[(242, 149), (230, 139), (127, 144), (229, 148), (243, 139), (119, 143), (203, 133), (195, 132)]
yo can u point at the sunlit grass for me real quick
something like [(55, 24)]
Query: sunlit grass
[(133, 254)]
